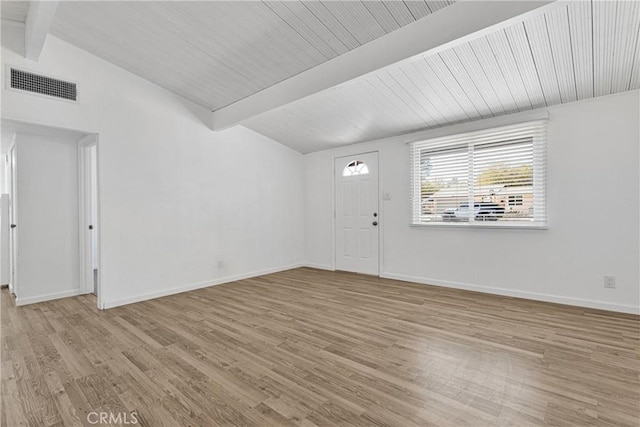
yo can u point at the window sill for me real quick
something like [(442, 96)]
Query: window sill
[(480, 226)]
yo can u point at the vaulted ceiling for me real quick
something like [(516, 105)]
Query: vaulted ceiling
[(217, 52), (15, 10), (225, 54), (575, 51)]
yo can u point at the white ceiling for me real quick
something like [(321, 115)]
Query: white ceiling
[(578, 50), (14, 10), (217, 52)]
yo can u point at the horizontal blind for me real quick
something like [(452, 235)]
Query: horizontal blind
[(489, 177)]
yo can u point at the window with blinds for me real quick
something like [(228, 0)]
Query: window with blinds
[(492, 177)]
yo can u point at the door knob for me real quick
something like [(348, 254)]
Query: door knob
[(375, 223), (13, 226), (91, 227), (375, 214)]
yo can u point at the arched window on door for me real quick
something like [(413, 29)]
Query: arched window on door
[(356, 167)]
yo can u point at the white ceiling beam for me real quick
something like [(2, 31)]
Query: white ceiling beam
[(450, 26), (37, 25)]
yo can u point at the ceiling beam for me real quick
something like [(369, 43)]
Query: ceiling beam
[(452, 25), (37, 25)]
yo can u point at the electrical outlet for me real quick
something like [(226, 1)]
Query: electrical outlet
[(609, 281), (220, 265)]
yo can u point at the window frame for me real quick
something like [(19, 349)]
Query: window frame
[(536, 130)]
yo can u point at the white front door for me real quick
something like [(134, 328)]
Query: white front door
[(357, 215)]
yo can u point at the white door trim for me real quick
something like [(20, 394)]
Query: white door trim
[(13, 209), (349, 153), (84, 203)]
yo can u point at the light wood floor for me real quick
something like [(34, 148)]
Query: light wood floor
[(308, 347)]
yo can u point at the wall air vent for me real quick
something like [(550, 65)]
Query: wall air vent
[(35, 83)]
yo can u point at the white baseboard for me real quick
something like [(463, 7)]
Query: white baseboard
[(319, 266), (194, 286), (48, 297), (631, 309)]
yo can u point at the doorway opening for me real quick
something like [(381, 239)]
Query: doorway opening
[(52, 182)]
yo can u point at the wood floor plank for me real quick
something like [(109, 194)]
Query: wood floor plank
[(309, 348)]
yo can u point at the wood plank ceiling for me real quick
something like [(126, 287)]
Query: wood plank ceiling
[(14, 10), (217, 52), (576, 51)]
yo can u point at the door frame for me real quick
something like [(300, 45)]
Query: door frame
[(84, 209), (13, 209), (381, 216), (84, 137)]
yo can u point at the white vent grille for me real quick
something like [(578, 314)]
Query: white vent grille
[(23, 80)]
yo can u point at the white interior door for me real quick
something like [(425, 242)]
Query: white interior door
[(93, 215), (13, 231), (357, 216), (89, 213)]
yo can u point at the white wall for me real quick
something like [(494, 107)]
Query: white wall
[(593, 205), (6, 139), (48, 248), (176, 197)]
